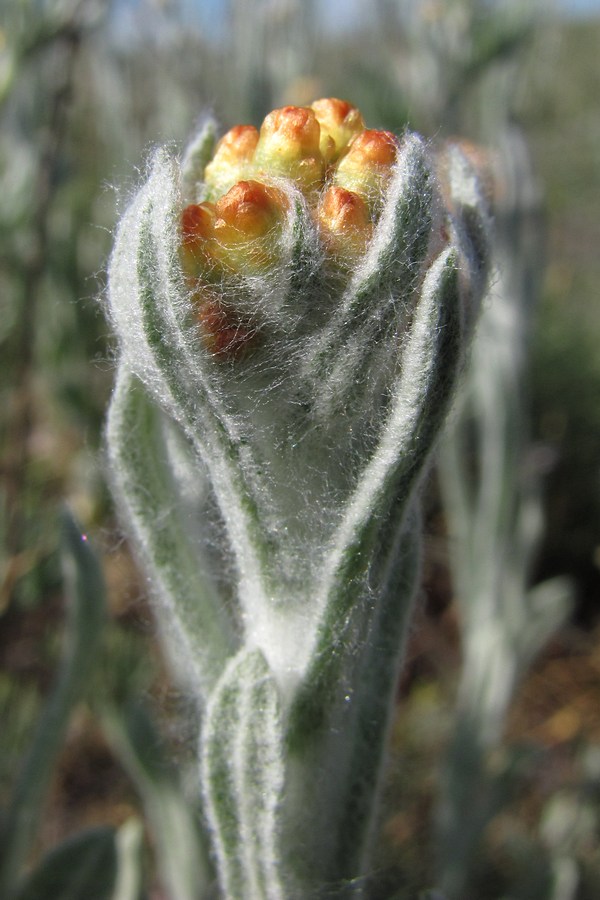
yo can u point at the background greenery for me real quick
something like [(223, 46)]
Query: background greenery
[(85, 90)]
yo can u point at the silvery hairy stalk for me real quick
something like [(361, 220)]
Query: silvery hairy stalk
[(293, 308)]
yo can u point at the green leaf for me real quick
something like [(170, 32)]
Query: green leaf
[(130, 867), (380, 294), (165, 354), (343, 713), (154, 501), (181, 856), (419, 404), (86, 613), (242, 768), (197, 155), (84, 867)]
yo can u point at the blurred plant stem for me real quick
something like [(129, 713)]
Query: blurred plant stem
[(65, 44), (493, 508), (446, 59)]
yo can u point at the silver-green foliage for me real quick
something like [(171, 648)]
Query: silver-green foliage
[(180, 854), (494, 512), (69, 869), (273, 498)]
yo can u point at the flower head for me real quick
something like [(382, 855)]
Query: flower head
[(345, 223), (339, 122), (232, 160), (340, 171), (245, 226), (367, 166), (288, 145)]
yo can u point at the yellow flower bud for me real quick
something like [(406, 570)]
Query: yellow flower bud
[(232, 160), (288, 145), (366, 167), (245, 220), (345, 223), (340, 122)]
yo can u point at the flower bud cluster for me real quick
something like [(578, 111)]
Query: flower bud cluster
[(327, 154)]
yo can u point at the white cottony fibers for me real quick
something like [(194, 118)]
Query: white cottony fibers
[(287, 640), (272, 422), (261, 847), (410, 185), (384, 281), (400, 431)]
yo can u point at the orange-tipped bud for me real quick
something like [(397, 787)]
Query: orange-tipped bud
[(245, 219), (232, 159), (249, 209), (368, 163), (340, 122), (289, 146), (197, 222), (344, 220)]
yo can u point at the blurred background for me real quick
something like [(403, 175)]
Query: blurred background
[(87, 88)]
